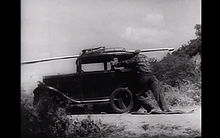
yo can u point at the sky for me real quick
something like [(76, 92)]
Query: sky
[(51, 28)]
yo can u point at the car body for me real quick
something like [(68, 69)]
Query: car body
[(90, 87)]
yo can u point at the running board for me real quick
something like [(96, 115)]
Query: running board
[(95, 101), (75, 101)]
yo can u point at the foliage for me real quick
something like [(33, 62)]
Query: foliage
[(33, 125), (85, 128), (186, 94), (29, 122), (59, 125), (180, 73), (179, 67), (167, 131)]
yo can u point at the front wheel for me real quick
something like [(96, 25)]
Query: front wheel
[(44, 102), (121, 100)]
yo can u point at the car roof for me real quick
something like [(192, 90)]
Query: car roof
[(105, 56)]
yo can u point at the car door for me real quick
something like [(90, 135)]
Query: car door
[(97, 84)]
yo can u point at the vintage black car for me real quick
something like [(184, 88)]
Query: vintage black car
[(109, 86)]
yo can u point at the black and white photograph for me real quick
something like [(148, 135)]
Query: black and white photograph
[(110, 68)]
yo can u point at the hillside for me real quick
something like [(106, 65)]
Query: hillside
[(184, 64), (180, 73)]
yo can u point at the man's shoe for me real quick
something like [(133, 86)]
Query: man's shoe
[(167, 110), (155, 111)]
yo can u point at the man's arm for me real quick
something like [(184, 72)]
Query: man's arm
[(125, 63)]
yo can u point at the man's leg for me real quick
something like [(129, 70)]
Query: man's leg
[(147, 106), (142, 86), (159, 96)]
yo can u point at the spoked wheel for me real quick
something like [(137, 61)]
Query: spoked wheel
[(121, 100)]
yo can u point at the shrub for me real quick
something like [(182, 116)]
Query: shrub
[(29, 123), (92, 129), (35, 126), (59, 125), (174, 70), (85, 128), (187, 93), (179, 66), (180, 73)]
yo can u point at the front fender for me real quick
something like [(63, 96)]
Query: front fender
[(48, 89)]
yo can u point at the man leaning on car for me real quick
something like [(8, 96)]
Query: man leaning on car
[(145, 79)]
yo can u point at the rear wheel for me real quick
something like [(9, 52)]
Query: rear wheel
[(121, 100)]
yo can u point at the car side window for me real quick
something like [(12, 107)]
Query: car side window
[(93, 67)]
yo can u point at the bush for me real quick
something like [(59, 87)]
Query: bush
[(59, 125), (173, 70), (85, 128), (180, 73), (178, 67), (92, 129), (187, 93), (29, 122), (35, 126)]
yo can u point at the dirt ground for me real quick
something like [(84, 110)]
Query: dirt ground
[(155, 125)]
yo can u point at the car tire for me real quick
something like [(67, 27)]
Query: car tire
[(121, 100)]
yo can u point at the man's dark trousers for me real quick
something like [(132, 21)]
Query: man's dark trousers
[(147, 81)]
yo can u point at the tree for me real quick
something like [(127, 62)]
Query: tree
[(177, 67), (198, 30)]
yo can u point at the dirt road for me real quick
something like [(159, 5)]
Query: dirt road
[(160, 125)]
